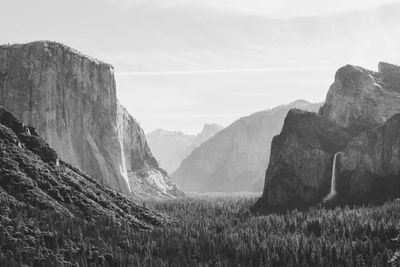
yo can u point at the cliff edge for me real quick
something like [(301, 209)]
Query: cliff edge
[(71, 100)]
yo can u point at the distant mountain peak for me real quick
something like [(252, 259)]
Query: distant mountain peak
[(234, 159), (209, 129), (171, 147), (212, 125), (300, 102)]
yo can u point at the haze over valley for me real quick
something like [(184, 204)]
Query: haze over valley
[(200, 133)]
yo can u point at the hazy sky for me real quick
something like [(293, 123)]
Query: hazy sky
[(182, 63), (269, 8)]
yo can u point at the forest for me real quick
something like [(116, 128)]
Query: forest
[(213, 230)]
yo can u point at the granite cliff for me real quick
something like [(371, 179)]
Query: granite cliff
[(360, 121), (234, 159), (300, 155), (370, 164), (170, 148), (360, 99), (71, 100)]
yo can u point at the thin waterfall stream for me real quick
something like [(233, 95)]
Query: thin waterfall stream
[(332, 193)]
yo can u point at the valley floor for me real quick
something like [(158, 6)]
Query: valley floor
[(221, 231)]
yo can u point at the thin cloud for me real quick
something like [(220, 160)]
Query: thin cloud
[(185, 115), (283, 9), (190, 72)]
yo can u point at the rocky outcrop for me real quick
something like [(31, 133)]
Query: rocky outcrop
[(360, 99), (300, 165), (71, 100), (358, 120), (170, 148), (370, 164), (234, 159)]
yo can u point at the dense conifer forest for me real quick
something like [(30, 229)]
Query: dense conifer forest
[(210, 231)]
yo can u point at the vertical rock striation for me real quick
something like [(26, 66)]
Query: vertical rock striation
[(300, 164), (370, 164), (71, 100)]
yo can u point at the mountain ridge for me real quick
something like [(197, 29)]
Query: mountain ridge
[(171, 147), (46, 203), (233, 160)]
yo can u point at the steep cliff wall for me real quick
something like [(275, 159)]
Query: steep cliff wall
[(354, 120), (71, 100), (370, 164), (300, 165), (360, 99)]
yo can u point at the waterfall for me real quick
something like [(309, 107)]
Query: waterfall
[(332, 193), (120, 131)]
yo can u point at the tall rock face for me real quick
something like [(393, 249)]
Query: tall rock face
[(301, 155), (170, 148), (234, 159), (359, 120), (370, 164), (71, 100), (360, 99)]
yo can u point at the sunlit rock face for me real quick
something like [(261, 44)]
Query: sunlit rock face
[(360, 99), (151, 183), (71, 100), (359, 119)]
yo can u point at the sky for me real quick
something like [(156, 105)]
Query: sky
[(182, 63)]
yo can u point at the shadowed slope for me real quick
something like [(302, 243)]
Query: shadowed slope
[(42, 196)]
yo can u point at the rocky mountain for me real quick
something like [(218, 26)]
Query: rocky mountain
[(71, 100), (360, 99), (360, 122), (49, 209), (370, 164), (234, 159), (208, 131), (171, 147)]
